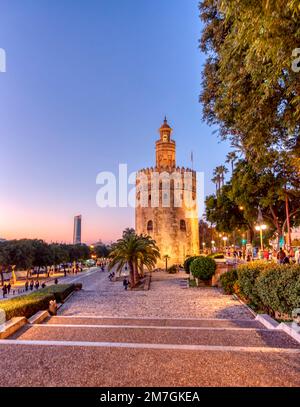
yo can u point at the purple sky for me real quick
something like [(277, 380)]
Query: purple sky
[(87, 86)]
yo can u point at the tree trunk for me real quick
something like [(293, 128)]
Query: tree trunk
[(136, 273), (131, 274)]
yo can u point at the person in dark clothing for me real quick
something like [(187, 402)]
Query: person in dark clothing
[(56, 281), (26, 285), (286, 260), (125, 283), (8, 288), (4, 289), (37, 284), (31, 285), (281, 256), (43, 285)]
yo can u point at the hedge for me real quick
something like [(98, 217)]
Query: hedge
[(28, 305), (247, 275), (266, 286), (228, 281), (203, 268), (61, 291), (279, 289)]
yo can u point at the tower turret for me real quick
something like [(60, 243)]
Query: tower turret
[(165, 148)]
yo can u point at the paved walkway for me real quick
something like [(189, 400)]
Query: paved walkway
[(165, 299), (168, 336)]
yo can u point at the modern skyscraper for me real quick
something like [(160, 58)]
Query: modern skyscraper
[(77, 230)]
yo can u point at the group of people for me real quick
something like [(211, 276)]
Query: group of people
[(6, 289), (32, 285)]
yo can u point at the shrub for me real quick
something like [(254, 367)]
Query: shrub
[(247, 275), (228, 281), (172, 269), (26, 305), (203, 268), (60, 291), (279, 288), (188, 263)]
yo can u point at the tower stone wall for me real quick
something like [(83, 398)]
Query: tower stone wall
[(167, 203)]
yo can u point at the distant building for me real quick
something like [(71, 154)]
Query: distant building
[(77, 230)]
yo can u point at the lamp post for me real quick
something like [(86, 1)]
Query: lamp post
[(225, 238), (260, 229), (203, 245), (212, 245), (166, 257)]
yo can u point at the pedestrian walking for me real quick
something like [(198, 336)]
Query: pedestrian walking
[(31, 285), (281, 256), (297, 255), (4, 289), (125, 283), (26, 285), (37, 285)]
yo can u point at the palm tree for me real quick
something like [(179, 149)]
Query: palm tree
[(137, 252), (231, 158), (219, 176)]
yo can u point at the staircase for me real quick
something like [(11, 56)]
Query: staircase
[(98, 351)]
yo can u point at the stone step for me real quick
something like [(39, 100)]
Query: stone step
[(231, 337), (163, 322), (47, 365)]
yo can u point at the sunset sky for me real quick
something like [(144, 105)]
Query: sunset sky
[(87, 86)]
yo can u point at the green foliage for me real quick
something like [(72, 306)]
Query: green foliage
[(60, 291), (26, 305), (228, 281), (27, 253), (269, 286), (247, 275), (135, 250), (249, 87), (203, 268), (188, 262), (279, 288)]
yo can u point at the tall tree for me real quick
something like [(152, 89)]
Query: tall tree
[(136, 251), (250, 89)]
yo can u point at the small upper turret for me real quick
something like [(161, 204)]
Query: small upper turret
[(165, 148)]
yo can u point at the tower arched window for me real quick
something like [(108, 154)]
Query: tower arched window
[(182, 225), (150, 226)]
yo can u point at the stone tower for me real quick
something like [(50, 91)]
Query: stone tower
[(166, 203)]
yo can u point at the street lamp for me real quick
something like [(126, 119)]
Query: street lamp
[(166, 257), (225, 238), (260, 228)]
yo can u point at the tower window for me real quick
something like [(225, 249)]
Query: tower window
[(183, 225), (150, 226)]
